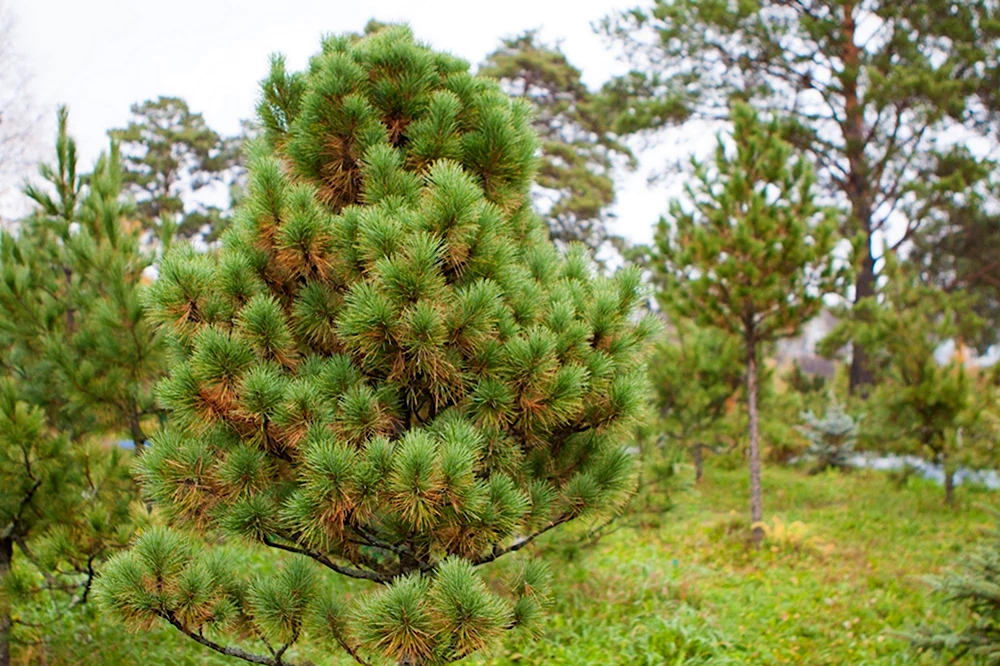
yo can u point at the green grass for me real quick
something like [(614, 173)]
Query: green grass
[(836, 592), (684, 588)]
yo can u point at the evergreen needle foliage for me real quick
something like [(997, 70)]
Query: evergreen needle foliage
[(924, 404), (79, 363), (695, 376), (869, 92), (388, 371), (831, 438), (579, 152), (972, 586)]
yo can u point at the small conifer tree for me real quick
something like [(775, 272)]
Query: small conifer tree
[(831, 438), (748, 252), (78, 364), (388, 371)]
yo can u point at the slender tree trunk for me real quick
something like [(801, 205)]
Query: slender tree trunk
[(697, 453), (138, 436), (756, 500), (858, 184), (949, 480), (6, 553), (862, 376)]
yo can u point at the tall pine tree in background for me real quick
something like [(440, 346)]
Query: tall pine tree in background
[(875, 93), (78, 363), (169, 152), (388, 372), (748, 252), (579, 152)]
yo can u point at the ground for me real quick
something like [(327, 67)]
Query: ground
[(682, 587), (836, 588)]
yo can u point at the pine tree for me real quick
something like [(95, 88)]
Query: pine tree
[(695, 375), (79, 363), (866, 90), (748, 252), (388, 371), (578, 149), (831, 438), (168, 151), (924, 404)]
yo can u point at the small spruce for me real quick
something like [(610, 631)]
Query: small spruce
[(831, 438)]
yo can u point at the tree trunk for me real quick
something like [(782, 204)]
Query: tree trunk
[(6, 553), (697, 454), (858, 185), (756, 501), (949, 485), (138, 437), (862, 376)]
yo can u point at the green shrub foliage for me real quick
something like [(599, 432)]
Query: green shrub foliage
[(387, 370)]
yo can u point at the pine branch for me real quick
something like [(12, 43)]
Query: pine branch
[(522, 542), (350, 572), (346, 647), (229, 650)]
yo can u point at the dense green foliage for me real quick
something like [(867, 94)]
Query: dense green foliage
[(923, 404), (79, 362), (839, 592), (695, 374), (396, 369), (387, 370)]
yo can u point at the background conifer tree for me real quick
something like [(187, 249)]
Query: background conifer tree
[(831, 438), (169, 152), (78, 365), (578, 149), (748, 252), (870, 92), (926, 404), (388, 371)]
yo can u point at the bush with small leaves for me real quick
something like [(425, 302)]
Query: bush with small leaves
[(387, 371)]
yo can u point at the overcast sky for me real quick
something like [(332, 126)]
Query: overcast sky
[(101, 56)]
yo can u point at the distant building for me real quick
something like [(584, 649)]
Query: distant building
[(802, 348)]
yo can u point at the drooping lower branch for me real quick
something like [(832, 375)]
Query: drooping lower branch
[(231, 651)]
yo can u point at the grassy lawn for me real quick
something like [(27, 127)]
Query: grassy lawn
[(689, 591), (684, 588)]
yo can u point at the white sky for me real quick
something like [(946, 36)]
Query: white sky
[(100, 56)]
